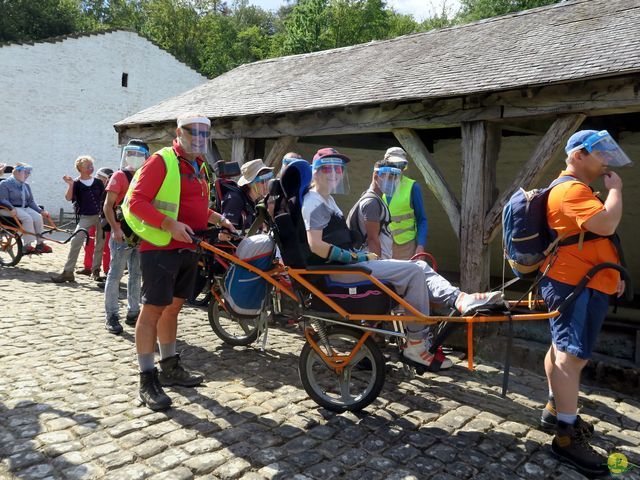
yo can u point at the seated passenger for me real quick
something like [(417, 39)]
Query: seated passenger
[(16, 196), (239, 206), (330, 242)]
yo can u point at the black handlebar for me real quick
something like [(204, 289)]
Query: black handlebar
[(590, 274)]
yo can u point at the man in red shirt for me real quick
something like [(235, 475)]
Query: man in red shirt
[(168, 272), (584, 224), (124, 251)]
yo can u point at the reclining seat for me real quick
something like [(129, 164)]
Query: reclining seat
[(359, 296)]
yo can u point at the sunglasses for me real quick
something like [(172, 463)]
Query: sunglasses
[(331, 168), (196, 132)]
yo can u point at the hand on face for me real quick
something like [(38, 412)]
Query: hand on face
[(612, 181)]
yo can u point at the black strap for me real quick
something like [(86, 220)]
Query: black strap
[(586, 236)]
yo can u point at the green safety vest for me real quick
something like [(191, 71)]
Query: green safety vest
[(403, 218), (166, 201)]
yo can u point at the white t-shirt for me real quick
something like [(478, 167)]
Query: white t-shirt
[(317, 210)]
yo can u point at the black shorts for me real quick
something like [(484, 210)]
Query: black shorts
[(167, 274)]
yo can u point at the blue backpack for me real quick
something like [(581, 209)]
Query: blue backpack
[(526, 236), (245, 292)]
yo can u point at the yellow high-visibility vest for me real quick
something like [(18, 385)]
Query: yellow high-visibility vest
[(403, 218), (166, 201)]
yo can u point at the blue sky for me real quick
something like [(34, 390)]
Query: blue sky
[(420, 9)]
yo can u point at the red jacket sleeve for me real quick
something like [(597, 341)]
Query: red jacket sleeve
[(145, 190)]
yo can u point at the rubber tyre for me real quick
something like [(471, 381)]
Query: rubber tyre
[(10, 248), (365, 380), (221, 327)]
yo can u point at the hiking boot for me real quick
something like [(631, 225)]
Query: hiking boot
[(570, 445), (95, 275), (112, 324), (151, 393), (63, 277), (132, 318), (467, 303), (549, 420), (43, 248), (29, 250), (417, 351), (173, 373), (83, 271)]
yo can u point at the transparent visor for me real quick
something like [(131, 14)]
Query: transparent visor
[(26, 169), (604, 147), (260, 184), (133, 157), (388, 179), (287, 160), (195, 138), (331, 174)]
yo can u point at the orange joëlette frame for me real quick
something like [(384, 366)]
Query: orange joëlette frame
[(415, 317), (20, 229)]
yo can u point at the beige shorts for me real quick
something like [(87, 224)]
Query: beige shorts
[(405, 251)]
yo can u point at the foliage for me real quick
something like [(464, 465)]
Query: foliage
[(214, 37), (472, 10)]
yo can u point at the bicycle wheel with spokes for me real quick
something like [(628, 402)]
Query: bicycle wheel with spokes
[(10, 248), (359, 383), (230, 329)]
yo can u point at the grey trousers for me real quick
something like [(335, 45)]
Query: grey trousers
[(416, 282), (86, 222)]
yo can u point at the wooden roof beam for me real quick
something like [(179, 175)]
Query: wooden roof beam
[(434, 179), (546, 150)]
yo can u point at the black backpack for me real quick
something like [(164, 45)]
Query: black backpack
[(354, 214), (104, 223)]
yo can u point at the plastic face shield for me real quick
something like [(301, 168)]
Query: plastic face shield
[(195, 138), (24, 169), (602, 146), (388, 179), (331, 173), (133, 156), (287, 160), (260, 183)]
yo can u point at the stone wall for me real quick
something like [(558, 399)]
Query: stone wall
[(60, 100)]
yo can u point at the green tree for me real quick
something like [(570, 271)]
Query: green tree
[(305, 28), (22, 20), (471, 10)]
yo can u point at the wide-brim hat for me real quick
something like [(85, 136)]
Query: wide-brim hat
[(250, 170)]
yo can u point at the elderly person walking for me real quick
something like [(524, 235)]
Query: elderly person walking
[(86, 194), (17, 198)]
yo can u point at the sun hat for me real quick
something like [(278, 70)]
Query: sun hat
[(251, 170)]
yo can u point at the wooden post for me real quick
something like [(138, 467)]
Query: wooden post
[(282, 146), (480, 148), (242, 150), (411, 142), (546, 150)]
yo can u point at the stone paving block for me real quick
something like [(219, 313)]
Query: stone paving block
[(34, 472), (205, 463), (130, 472), (232, 469), (168, 459), (116, 460), (178, 437), (180, 473)]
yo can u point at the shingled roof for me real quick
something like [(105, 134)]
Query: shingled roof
[(580, 39)]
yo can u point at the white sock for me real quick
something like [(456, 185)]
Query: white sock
[(569, 418)]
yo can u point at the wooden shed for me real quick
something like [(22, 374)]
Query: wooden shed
[(482, 109)]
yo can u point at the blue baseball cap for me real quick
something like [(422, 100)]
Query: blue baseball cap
[(577, 140)]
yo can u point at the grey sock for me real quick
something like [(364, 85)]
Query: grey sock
[(167, 350), (146, 361)]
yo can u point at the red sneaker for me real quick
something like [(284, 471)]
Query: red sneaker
[(29, 250), (43, 248)]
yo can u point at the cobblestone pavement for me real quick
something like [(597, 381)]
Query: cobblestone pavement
[(68, 408)]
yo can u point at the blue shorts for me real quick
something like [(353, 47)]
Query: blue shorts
[(576, 330)]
